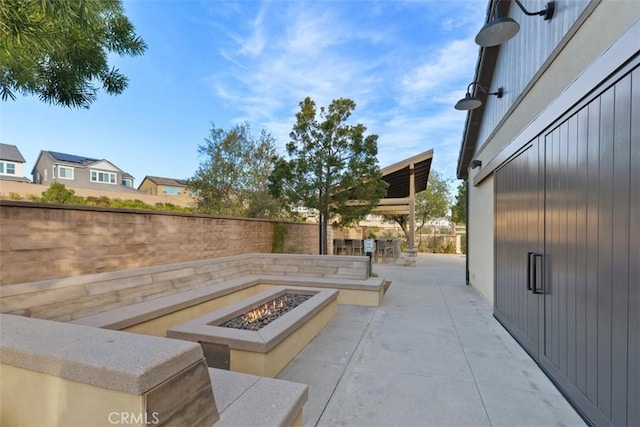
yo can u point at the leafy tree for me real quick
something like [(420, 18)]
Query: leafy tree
[(432, 203), (233, 178), (58, 49), (332, 166), (459, 208)]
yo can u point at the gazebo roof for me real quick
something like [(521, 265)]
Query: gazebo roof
[(397, 175), (396, 201)]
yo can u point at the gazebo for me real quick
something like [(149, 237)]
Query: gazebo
[(405, 178)]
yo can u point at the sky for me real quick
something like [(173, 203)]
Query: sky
[(404, 63)]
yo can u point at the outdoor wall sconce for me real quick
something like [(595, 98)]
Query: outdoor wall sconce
[(472, 102), (475, 164), (501, 29)]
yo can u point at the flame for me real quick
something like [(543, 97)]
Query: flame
[(264, 310)]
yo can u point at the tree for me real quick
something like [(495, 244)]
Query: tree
[(459, 208), (432, 203), (58, 49), (332, 166), (233, 178)]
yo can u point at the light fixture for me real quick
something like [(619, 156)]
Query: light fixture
[(475, 163), (472, 102), (501, 29)]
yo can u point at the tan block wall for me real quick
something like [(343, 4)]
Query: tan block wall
[(43, 241)]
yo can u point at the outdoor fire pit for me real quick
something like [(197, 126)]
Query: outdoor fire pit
[(261, 334), (263, 314)]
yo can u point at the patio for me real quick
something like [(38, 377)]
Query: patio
[(431, 355)]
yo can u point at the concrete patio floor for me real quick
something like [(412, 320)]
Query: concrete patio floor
[(431, 355)]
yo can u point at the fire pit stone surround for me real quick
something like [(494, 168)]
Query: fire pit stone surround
[(265, 351)]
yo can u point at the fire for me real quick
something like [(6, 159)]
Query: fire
[(264, 310)]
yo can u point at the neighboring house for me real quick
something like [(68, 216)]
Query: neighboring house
[(82, 172), (553, 176), (11, 164), (159, 186)]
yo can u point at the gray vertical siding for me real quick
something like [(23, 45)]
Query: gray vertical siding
[(517, 62)]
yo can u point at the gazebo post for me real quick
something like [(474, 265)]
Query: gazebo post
[(411, 252), (412, 207)]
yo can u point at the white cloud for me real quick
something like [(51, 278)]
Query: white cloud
[(309, 56), (452, 62), (405, 92)]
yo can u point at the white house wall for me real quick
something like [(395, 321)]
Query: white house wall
[(480, 230), (19, 169)]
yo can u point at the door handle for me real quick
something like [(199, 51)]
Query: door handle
[(535, 273), (529, 254)]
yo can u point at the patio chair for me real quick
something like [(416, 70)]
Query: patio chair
[(339, 246), (384, 249), (396, 249)]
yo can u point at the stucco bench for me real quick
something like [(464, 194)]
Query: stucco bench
[(250, 400), (124, 317), (111, 377), (359, 292), (71, 298)]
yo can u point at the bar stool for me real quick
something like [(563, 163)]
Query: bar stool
[(383, 248), (357, 245)]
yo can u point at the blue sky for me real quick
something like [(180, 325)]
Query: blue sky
[(405, 64)]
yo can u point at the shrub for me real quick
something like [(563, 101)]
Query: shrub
[(58, 193), (446, 248)]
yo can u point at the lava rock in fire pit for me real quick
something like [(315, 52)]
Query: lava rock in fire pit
[(260, 316)]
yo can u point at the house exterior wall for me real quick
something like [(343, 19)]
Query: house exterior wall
[(565, 157), (148, 187), (593, 38), (42, 170), (81, 175), (19, 169), (41, 241), (590, 41), (517, 63), (480, 229)]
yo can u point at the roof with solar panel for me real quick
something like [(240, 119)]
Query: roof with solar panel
[(63, 157)]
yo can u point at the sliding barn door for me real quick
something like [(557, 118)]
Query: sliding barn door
[(591, 254), (518, 234), (567, 242)]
